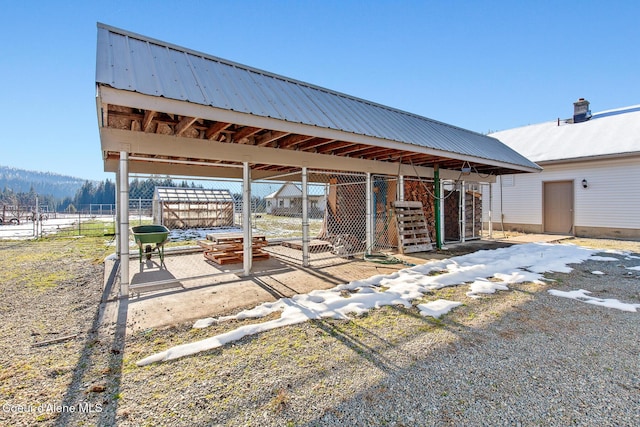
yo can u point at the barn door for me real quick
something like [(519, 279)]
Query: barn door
[(558, 207)]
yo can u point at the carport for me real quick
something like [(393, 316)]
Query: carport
[(165, 109)]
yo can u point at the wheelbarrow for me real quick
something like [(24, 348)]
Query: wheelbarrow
[(148, 235)]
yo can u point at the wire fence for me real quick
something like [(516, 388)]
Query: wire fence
[(347, 216)]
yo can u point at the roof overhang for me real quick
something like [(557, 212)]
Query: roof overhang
[(167, 136), (600, 157)]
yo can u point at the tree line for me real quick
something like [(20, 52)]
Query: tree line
[(90, 193)]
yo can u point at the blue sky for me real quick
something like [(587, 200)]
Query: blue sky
[(480, 65)]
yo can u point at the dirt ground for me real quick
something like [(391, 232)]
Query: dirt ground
[(65, 344), (185, 301)]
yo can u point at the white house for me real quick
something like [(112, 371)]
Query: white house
[(590, 183), (287, 200)]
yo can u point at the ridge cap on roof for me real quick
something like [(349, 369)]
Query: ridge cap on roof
[(635, 108)]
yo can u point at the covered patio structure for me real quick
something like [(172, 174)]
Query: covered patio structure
[(167, 110)]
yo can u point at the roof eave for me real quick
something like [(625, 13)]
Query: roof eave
[(109, 95)]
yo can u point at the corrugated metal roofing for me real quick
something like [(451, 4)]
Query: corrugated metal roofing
[(136, 63), (611, 132), (192, 195)]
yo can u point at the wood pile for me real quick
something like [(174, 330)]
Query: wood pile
[(423, 191), (227, 248)]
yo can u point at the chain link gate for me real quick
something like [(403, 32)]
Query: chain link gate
[(193, 210)]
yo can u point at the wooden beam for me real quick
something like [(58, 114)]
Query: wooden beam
[(215, 129), (242, 136), (314, 143), (291, 140), (184, 124), (349, 149), (148, 118), (333, 146), (137, 100), (269, 137)]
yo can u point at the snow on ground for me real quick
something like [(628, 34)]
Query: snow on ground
[(484, 271), (581, 295), (178, 235)]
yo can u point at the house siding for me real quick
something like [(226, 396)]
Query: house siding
[(608, 207)]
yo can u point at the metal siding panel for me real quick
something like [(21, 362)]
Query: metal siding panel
[(120, 65), (276, 109), (332, 117), (354, 110), (190, 90), (104, 57), (317, 107), (300, 103), (218, 92), (286, 94), (255, 95), (167, 78), (141, 72)]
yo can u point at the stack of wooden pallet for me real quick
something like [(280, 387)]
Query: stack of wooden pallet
[(227, 248), (413, 235)]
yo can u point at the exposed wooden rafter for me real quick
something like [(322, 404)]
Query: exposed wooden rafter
[(242, 136), (214, 130), (184, 124), (148, 118)]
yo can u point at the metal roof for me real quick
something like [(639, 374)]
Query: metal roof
[(132, 62), (608, 133), (192, 195)]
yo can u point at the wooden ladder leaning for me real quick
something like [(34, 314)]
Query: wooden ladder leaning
[(413, 235)]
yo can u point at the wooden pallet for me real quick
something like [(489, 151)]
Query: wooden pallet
[(315, 245), (227, 248), (413, 235)]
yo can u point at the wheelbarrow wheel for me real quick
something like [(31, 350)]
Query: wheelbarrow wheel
[(148, 250)]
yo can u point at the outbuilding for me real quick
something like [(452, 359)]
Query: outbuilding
[(179, 207), (590, 185), (168, 110), (287, 201)]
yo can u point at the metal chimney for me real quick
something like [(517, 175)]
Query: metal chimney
[(581, 112)]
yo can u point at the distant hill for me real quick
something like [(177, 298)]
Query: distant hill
[(44, 183)]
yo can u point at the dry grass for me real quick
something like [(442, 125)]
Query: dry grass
[(51, 288)]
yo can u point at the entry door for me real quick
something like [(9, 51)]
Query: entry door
[(558, 207)]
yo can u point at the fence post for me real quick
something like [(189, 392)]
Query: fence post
[(437, 205), (305, 219), (246, 219), (463, 212), (490, 211), (124, 224), (368, 222)]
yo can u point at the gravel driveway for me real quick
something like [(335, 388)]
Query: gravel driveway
[(517, 357)]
